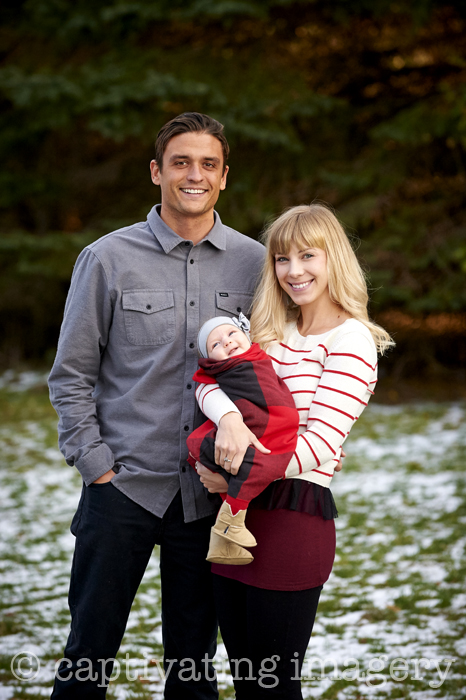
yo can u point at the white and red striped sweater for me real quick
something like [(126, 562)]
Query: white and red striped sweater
[(331, 377)]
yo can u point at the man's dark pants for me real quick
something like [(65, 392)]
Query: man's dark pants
[(114, 541)]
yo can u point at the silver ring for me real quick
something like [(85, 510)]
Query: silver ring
[(227, 460)]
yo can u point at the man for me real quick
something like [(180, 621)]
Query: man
[(122, 387)]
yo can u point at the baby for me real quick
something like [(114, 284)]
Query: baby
[(246, 375)]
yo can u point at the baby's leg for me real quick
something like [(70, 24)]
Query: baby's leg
[(257, 471)]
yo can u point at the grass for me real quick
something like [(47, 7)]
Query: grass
[(396, 592)]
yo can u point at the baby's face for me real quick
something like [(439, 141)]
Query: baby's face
[(226, 341)]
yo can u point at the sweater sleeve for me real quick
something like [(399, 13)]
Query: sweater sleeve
[(347, 381), (213, 402)]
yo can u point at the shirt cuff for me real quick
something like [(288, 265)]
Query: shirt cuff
[(95, 463), (230, 409)]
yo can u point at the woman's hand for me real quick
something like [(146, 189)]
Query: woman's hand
[(232, 441), (214, 483), (339, 466)]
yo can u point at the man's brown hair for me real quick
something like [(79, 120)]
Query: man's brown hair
[(190, 122)]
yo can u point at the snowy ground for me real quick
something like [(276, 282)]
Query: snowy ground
[(391, 621)]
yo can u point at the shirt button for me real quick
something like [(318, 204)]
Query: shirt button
[(183, 469), (187, 243), (148, 306), (186, 428), (238, 308), (191, 303), (191, 345), (189, 386), (192, 262)]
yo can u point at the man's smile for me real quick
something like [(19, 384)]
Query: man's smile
[(192, 190)]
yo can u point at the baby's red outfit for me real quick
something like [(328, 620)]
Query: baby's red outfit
[(268, 410)]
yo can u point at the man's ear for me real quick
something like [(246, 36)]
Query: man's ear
[(223, 182), (155, 172)]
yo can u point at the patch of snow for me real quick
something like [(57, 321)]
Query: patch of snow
[(22, 381)]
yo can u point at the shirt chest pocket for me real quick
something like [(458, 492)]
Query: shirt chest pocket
[(233, 303), (149, 316)]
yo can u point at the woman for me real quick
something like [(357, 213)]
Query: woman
[(310, 315)]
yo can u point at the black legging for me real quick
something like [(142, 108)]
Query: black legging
[(259, 625)]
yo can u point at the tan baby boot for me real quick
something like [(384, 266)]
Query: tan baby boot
[(232, 527), (222, 551)]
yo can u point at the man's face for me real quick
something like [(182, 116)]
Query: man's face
[(192, 175)]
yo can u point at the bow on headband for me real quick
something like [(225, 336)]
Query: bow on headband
[(242, 322)]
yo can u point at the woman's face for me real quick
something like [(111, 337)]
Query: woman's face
[(303, 274)]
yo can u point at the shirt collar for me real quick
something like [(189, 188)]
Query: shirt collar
[(168, 239)]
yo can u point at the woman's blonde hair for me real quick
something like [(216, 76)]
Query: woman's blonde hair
[(310, 226)]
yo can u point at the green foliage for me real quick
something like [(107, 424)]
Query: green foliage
[(359, 104), (34, 278)]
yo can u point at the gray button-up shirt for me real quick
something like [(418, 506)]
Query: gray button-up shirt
[(122, 378)]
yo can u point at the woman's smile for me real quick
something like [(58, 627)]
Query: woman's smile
[(301, 285)]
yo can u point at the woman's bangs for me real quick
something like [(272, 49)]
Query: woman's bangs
[(296, 232)]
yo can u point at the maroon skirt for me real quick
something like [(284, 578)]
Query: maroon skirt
[(293, 523)]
